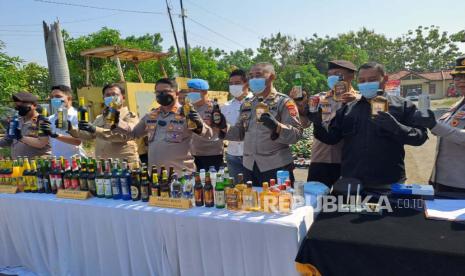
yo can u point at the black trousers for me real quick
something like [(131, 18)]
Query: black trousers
[(257, 177), (204, 162), (325, 173)]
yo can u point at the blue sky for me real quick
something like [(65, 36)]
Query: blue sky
[(242, 22)]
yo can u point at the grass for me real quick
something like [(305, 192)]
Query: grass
[(443, 103)]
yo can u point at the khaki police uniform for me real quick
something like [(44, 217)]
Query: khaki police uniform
[(321, 152), (325, 164), (28, 128), (203, 146), (169, 139), (112, 144), (450, 150), (259, 148)]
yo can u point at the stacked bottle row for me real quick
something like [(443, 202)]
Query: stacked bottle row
[(113, 179)]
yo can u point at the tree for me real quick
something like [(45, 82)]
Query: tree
[(320, 50), (278, 49), (429, 49), (236, 60), (17, 76), (205, 65), (104, 70)]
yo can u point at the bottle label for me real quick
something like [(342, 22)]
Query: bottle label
[(134, 192), (284, 203), (124, 186), (107, 187), (208, 197), (219, 198), (247, 201), (59, 182), (115, 186), (46, 184), (53, 182), (100, 189), (231, 200), (270, 203), (155, 191), (74, 183), (164, 194), (144, 192), (40, 183), (33, 183), (67, 183), (91, 184), (198, 194), (83, 184)]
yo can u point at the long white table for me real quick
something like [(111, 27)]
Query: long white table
[(53, 236)]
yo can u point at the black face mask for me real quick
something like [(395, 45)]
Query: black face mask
[(165, 99), (23, 110)]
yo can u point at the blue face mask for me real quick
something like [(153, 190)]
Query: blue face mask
[(257, 85), (369, 89), (107, 101), (56, 103), (194, 96), (332, 80)]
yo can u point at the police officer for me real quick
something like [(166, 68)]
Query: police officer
[(166, 128), (325, 163), (110, 144), (27, 139), (450, 155), (206, 152), (373, 149), (268, 124)]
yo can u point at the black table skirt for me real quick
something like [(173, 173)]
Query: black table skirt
[(398, 243)]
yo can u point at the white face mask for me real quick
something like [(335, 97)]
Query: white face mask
[(236, 90)]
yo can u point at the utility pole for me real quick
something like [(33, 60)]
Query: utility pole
[(176, 40), (183, 15)]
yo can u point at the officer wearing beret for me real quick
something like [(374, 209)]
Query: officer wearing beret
[(447, 174), (206, 152), (110, 144), (267, 132), (325, 166), (26, 139), (166, 129)]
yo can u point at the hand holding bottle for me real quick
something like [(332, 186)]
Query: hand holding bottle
[(86, 126), (428, 122), (195, 117), (387, 122), (315, 117), (45, 127)]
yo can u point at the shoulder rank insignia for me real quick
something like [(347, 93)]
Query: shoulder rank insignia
[(291, 107), (247, 106)]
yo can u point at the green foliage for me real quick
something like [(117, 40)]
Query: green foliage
[(104, 70), (429, 49), (17, 76), (422, 49), (303, 148)]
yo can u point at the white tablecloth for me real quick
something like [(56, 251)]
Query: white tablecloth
[(53, 236)]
